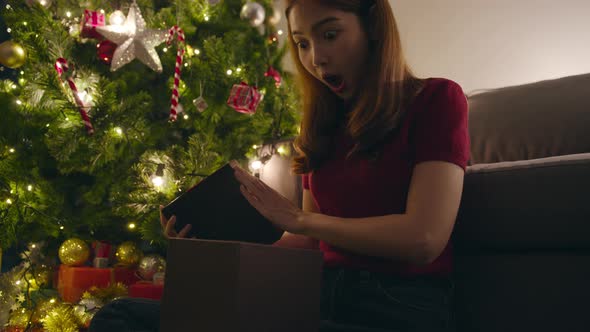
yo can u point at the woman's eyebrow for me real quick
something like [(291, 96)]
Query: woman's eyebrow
[(318, 24)]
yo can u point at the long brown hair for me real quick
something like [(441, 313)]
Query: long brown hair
[(388, 87)]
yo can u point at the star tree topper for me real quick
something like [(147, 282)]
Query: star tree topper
[(134, 40)]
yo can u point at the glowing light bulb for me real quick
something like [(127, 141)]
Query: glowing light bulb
[(69, 14), (19, 102), (186, 116), (30, 188), (197, 51), (131, 225), (229, 72), (165, 49), (254, 146), (61, 227), (118, 130), (207, 18), (52, 301), (158, 181), (256, 165), (238, 69), (280, 32), (9, 201), (281, 150), (11, 150)]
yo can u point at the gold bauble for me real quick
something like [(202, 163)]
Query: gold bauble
[(12, 55), (74, 252), (128, 254)]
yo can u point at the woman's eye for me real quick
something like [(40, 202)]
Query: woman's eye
[(301, 45), (330, 34)]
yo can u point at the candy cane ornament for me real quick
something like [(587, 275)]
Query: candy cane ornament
[(61, 66), (174, 107)]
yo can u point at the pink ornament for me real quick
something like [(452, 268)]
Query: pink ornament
[(90, 21), (271, 72), (244, 98)]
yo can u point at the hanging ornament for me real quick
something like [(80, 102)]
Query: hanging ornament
[(275, 18), (117, 18), (150, 265), (200, 102), (244, 98), (253, 12), (134, 40), (271, 72), (62, 68), (128, 254), (90, 21), (74, 252), (177, 68), (12, 55), (105, 51)]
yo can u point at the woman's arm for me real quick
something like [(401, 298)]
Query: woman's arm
[(418, 236), (291, 240)]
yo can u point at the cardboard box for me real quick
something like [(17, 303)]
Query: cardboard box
[(226, 286)]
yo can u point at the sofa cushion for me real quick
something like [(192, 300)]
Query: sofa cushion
[(543, 119), (535, 204)]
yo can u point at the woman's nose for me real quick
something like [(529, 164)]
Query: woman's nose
[(320, 58)]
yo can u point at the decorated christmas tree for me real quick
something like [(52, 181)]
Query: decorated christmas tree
[(111, 108)]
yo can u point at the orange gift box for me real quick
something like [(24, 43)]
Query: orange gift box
[(72, 281), (146, 290)]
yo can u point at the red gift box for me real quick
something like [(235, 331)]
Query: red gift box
[(146, 290), (74, 281), (244, 98), (90, 21)]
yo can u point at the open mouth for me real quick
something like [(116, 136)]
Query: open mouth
[(336, 82)]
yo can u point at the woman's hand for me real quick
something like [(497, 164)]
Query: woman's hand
[(168, 226), (272, 205)]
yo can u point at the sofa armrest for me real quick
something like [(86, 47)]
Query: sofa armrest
[(526, 205)]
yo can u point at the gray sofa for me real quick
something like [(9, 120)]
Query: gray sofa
[(522, 237)]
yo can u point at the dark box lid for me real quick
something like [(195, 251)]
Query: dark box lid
[(217, 210)]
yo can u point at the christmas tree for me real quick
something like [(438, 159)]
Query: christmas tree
[(112, 108)]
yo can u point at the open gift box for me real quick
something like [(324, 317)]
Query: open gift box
[(238, 286)]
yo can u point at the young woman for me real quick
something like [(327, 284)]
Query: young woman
[(382, 156)]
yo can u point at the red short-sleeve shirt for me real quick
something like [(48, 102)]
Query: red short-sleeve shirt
[(435, 128)]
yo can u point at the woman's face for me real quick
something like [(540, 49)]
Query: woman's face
[(332, 45)]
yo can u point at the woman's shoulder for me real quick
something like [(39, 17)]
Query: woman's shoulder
[(438, 84)]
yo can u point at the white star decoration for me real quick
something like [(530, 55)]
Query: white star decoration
[(134, 40)]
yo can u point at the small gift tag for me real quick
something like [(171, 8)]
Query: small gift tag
[(200, 102)]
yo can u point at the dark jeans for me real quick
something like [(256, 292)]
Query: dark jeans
[(352, 301)]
